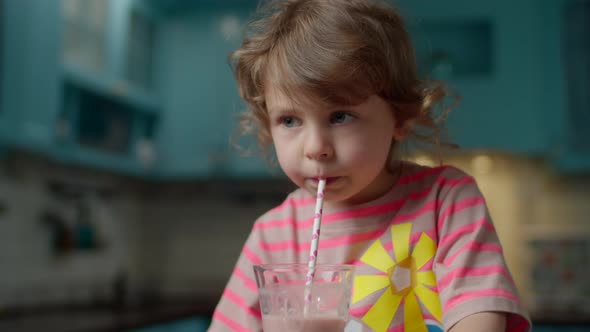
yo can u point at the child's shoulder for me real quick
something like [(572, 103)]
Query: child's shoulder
[(413, 173), (443, 181)]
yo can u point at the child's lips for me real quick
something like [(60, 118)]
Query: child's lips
[(329, 179)]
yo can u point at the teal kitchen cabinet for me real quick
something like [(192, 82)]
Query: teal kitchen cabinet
[(110, 107), (30, 58), (521, 69), (200, 98), (79, 91), (568, 77), (492, 56)]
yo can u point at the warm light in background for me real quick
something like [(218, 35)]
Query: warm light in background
[(424, 160), (482, 164)]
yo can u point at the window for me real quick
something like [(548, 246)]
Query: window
[(84, 33)]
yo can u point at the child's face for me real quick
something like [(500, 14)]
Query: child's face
[(349, 146)]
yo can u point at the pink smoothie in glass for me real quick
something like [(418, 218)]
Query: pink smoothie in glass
[(272, 323)]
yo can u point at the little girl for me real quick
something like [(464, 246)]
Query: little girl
[(332, 87)]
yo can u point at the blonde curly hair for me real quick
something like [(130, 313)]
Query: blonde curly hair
[(340, 52)]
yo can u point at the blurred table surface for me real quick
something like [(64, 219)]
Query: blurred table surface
[(132, 318), (104, 318)]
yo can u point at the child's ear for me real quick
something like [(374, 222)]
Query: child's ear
[(403, 130)]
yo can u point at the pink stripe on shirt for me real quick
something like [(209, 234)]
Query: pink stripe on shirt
[(474, 246), (415, 237), (250, 284), (229, 322), (323, 243), (236, 299), (252, 256), (363, 212), (459, 206), (420, 175), (396, 205), (450, 238), (466, 272), (280, 223), (468, 295), (334, 217), (427, 207)]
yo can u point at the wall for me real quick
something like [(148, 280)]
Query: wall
[(32, 273), (179, 238), (194, 233)]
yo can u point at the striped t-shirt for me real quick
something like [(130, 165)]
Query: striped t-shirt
[(436, 217)]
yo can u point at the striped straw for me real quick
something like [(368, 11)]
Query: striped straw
[(315, 238)]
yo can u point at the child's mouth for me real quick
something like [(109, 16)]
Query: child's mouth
[(329, 180)]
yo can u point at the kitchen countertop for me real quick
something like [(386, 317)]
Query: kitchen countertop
[(106, 318), (578, 320)]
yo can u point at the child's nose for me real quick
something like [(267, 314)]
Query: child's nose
[(318, 146)]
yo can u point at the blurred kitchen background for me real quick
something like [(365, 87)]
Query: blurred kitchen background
[(123, 205)]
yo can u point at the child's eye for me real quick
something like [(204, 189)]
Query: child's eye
[(289, 121), (341, 117)]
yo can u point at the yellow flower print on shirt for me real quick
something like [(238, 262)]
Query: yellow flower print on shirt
[(402, 280)]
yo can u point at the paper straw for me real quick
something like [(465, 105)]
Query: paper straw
[(315, 238)]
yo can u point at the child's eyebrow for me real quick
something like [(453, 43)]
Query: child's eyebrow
[(283, 110)]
